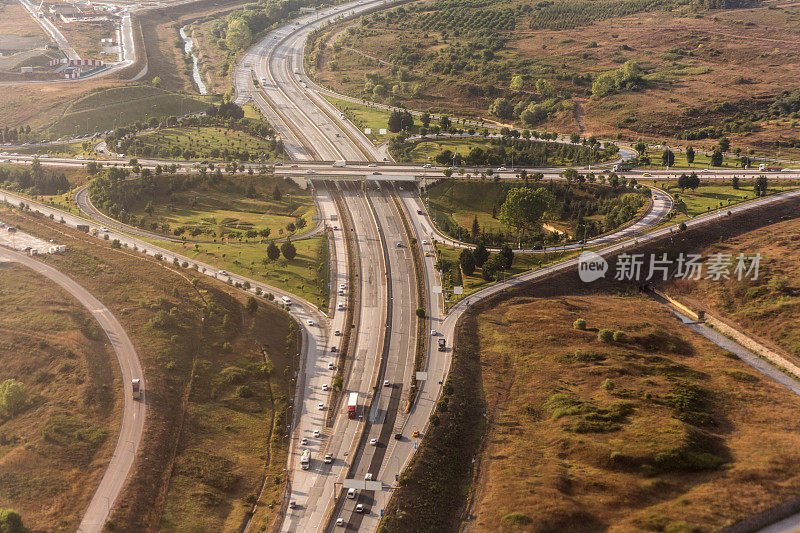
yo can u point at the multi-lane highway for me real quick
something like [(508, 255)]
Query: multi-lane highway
[(133, 412)]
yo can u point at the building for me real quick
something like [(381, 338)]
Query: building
[(65, 10)]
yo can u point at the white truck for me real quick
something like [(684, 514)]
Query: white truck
[(286, 301), (305, 460), (340, 163)]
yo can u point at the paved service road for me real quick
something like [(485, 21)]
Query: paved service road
[(134, 411)]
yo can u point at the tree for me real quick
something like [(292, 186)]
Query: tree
[(11, 522), (425, 119), (442, 265), (481, 254), (507, 255), (502, 108), (13, 397), (444, 122), (724, 144), (690, 155), (516, 83), (735, 182), (544, 88), (395, 121), (273, 253), (288, 250), (276, 194), (467, 260), (569, 174), (716, 158), (238, 35), (476, 229), (668, 158), (524, 208), (252, 305), (760, 187)]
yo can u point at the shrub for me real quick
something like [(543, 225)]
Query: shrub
[(605, 335), (420, 312), (162, 320), (243, 391), (516, 519), (619, 336), (579, 324), (608, 385), (14, 397)]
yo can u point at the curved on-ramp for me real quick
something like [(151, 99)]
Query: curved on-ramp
[(134, 412)]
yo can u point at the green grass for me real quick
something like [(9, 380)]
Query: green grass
[(708, 198), (522, 263), (204, 139), (701, 161), (300, 276), (60, 150), (115, 107), (425, 151), (364, 117)]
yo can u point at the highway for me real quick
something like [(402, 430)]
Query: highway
[(133, 412)]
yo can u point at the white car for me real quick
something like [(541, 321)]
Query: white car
[(331, 366), (320, 406), (340, 521), (342, 286), (328, 459), (360, 508), (263, 81), (337, 333), (502, 169), (325, 386), (372, 165), (373, 442), (316, 433), (368, 476), (434, 333), (304, 441), (386, 383), (311, 171), (425, 241), (340, 306), (104, 229), (310, 322), (427, 165), (223, 273)]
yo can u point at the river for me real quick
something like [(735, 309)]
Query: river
[(187, 47)]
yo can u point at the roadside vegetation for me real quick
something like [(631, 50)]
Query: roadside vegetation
[(578, 66), (766, 306), (218, 369), (671, 425), (59, 405), (537, 213)]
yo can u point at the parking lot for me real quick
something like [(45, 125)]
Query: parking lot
[(17, 240)]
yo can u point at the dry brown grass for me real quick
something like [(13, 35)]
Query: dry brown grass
[(85, 38), (741, 57), (135, 288), (565, 479), (15, 20), (46, 475)]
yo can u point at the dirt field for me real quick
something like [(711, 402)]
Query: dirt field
[(661, 431), (232, 365), (53, 453), (15, 21), (700, 69)]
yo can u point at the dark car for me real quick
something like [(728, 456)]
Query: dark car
[(398, 436)]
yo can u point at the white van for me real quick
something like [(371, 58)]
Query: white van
[(340, 307), (286, 300), (351, 493)]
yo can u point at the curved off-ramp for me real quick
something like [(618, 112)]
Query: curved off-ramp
[(133, 414)]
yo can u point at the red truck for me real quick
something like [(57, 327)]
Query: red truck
[(352, 405)]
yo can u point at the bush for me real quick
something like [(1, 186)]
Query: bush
[(579, 324), (608, 385), (420, 312), (14, 397), (619, 336), (162, 320), (605, 335), (516, 519), (243, 391), (11, 522), (116, 244)]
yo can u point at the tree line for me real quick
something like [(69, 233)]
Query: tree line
[(34, 180)]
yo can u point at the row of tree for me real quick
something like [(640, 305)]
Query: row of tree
[(34, 179)]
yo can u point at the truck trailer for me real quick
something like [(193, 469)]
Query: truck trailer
[(305, 460), (352, 405)]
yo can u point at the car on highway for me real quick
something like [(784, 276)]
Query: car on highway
[(223, 273), (320, 406), (399, 244), (311, 171), (351, 493), (360, 508), (104, 229), (333, 348), (376, 173), (434, 333), (386, 383), (294, 166), (263, 81), (340, 306), (331, 366), (325, 386), (342, 286), (373, 442), (368, 475), (502, 169), (372, 165), (398, 436), (328, 459), (304, 441), (416, 433), (427, 165), (309, 322), (427, 254), (705, 170), (292, 504), (425, 241), (316, 433), (340, 521), (337, 333)]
